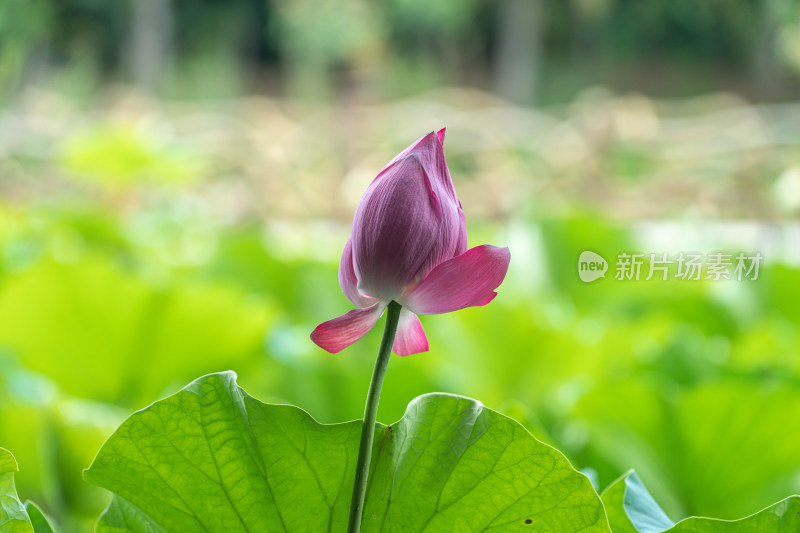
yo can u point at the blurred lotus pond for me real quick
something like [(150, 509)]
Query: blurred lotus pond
[(146, 244)]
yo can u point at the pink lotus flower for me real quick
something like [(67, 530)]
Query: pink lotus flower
[(409, 244)]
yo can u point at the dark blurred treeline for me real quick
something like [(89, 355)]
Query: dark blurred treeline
[(528, 51)]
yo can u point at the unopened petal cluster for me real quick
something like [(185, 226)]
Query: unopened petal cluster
[(409, 244)]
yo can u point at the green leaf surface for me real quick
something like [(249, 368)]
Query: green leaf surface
[(14, 516), (631, 509), (212, 458), (155, 334), (701, 448), (38, 519)]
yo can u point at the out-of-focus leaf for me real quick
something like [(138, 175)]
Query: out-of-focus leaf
[(631, 509), (38, 519), (107, 334), (738, 450), (212, 458), (14, 516), (115, 155), (55, 437), (722, 448)]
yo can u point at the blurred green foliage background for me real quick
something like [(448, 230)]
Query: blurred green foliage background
[(177, 180)]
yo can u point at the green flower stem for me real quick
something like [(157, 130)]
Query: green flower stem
[(370, 413)]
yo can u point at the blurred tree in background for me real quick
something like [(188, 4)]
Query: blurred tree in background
[(528, 51)]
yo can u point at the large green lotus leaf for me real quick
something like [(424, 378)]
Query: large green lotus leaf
[(114, 336), (14, 516), (212, 458), (631, 509)]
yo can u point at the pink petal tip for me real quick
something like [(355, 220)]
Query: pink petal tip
[(337, 334), (410, 337)]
